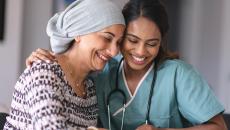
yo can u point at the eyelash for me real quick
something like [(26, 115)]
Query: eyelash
[(108, 39), (152, 45), (133, 41), (148, 44)]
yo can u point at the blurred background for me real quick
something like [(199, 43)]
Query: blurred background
[(200, 32)]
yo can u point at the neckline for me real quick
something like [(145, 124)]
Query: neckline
[(127, 88), (72, 92), (139, 83)]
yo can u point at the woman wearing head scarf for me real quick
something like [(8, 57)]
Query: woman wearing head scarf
[(59, 95), (150, 89)]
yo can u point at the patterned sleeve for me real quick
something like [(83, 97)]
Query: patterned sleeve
[(44, 98)]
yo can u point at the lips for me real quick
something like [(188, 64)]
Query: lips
[(138, 60)]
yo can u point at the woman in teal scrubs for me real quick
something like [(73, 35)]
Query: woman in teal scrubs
[(181, 98)]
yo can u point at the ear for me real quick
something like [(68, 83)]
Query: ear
[(77, 39)]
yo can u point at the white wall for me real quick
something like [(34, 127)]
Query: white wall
[(224, 82), (189, 39), (25, 30), (10, 50), (36, 15)]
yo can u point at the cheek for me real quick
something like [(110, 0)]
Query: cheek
[(154, 51), (122, 48), (101, 44), (126, 46), (94, 46)]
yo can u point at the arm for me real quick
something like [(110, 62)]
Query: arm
[(40, 54), (196, 102), (216, 123), (44, 102), (47, 113)]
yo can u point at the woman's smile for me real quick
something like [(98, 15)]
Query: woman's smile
[(103, 57), (138, 60)]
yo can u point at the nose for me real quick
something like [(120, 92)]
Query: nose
[(113, 49), (140, 50)]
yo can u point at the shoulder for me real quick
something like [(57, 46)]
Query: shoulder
[(183, 75), (41, 75), (177, 66), (44, 66), (178, 70), (175, 63), (43, 69)]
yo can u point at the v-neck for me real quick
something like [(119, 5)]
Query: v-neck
[(140, 82), (126, 88)]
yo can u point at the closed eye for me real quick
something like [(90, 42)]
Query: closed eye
[(132, 40), (152, 43), (108, 38)]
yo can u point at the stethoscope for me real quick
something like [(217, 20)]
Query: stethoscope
[(117, 90)]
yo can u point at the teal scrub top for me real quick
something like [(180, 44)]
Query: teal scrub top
[(181, 97)]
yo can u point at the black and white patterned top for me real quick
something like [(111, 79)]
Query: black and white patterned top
[(43, 99)]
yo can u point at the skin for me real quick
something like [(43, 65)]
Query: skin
[(216, 123), (95, 49), (140, 47), (89, 53), (103, 43), (143, 40)]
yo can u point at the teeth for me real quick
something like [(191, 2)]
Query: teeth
[(139, 59), (102, 57)]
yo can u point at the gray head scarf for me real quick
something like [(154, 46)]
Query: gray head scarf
[(80, 18)]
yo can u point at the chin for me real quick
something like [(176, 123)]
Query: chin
[(139, 67), (99, 67)]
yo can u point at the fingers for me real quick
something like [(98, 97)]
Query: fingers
[(40, 54), (31, 59), (95, 128), (43, 57), (45, 54), (146, 127), (92, 128)]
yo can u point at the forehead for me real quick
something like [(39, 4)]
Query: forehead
[(116, 29), (143, 27)]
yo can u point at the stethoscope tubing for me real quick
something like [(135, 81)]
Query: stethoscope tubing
[(147, 120), (117, 90)]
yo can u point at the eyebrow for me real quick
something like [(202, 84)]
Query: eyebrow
[(110, 33), (153, 39)]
